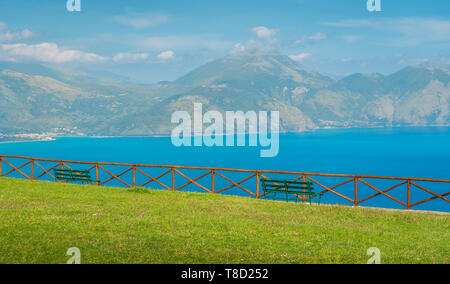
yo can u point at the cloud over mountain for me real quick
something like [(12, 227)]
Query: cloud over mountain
[(130, 57), (45, 52), (265, 32), (299, 57), (166, 55)]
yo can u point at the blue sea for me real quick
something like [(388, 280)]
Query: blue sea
[(399, 152)]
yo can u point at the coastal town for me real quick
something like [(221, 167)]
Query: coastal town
[(45, 136)]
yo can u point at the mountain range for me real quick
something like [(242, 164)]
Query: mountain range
[(39, 99)]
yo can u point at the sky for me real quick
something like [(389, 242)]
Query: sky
[(159, 40)]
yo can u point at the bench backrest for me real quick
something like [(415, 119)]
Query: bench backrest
[(286, 185), (72, 174)]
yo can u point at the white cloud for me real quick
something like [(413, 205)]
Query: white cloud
[(249, 45), (130, 57), (300, 57), (7, 35), (46, 52), (52, 53), (238, 48), (413, 31), (140, 21), (27, 33), (314, 37), (166, 55), (264, 32), (254, 46)]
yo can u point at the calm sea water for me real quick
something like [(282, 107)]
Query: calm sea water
[(402, 152)]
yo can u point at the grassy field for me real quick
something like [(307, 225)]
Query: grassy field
[(39, 221)]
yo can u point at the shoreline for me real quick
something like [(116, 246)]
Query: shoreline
[(29, 141), (54, 138)]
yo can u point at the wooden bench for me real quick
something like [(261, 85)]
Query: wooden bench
[(290, 188), (74, 176)]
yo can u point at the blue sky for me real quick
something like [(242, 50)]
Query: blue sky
[(157, 40)]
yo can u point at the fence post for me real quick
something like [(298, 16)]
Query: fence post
[(134, 176), (173, 179), (96, 174), (356, 191), (257, 185), (32, 169), (409, 195), (213, 182), (1, 160), (304, 190)]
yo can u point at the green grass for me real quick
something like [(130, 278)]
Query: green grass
[(39, 221)]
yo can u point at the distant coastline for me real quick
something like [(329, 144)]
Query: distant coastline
[(13, 139), (26, 138)]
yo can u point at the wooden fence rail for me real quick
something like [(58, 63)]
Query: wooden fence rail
[(99, 168)]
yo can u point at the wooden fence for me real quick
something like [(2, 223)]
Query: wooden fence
[(33, 169)]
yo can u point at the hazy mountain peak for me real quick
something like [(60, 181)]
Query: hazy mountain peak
[(375, 75), (254, 68), (256, 52)]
